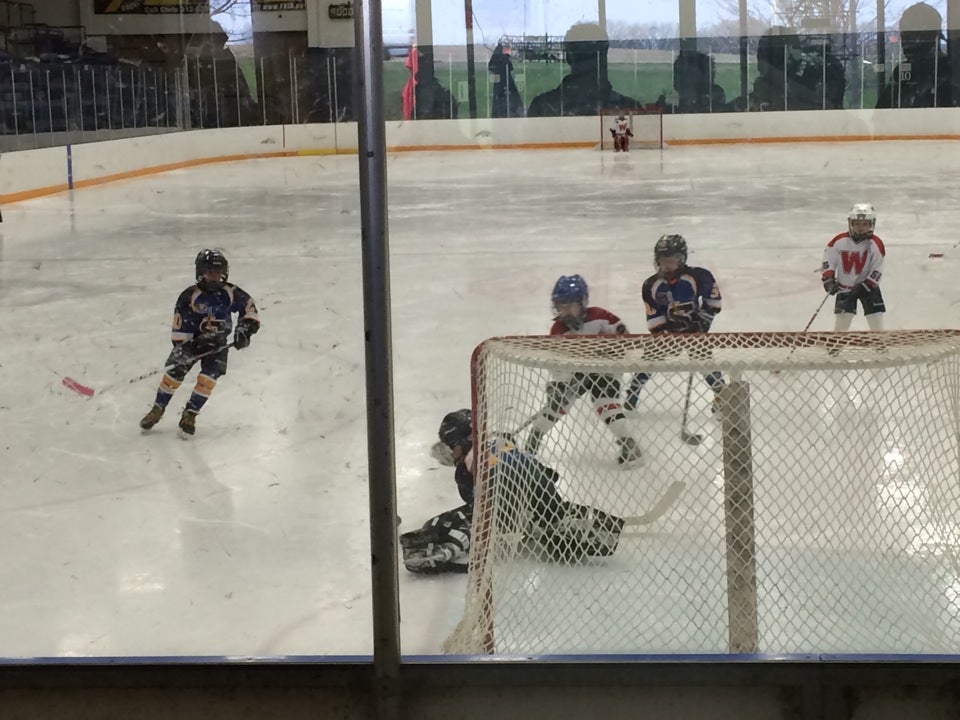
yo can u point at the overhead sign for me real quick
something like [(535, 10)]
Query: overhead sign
[(343, 11), (150, 7), (278, 5), (186, 7)]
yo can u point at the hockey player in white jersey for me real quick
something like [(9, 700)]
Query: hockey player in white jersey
[(574, 316), (621, 134), (852, 268)]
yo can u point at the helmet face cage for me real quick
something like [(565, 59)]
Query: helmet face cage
[(670, 246), (570, 289), (859, 213), (456, 430), (208, 260)]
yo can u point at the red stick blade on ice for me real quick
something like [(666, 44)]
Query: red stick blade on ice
[(77, 387)]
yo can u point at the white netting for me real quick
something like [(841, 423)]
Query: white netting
[(646, 126), (819, 514)]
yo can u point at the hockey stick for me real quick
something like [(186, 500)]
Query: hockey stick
[(77, 387), (815, 313), (660, 508), (807, 327), (688, 437)]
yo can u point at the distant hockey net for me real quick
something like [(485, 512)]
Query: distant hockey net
[(820, 513), (646, 125)]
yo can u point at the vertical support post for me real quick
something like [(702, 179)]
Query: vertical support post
[(881, 45), (33, 109), (123, 120), (106, 88), (263, 92), (216, 90), (16, 115), (332, 103), (738, 498), (201, 120), (156, 99), (236, 90), (471, 61), (133, 96), (378, 353)]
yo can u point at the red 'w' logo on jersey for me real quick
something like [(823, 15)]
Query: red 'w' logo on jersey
[(853, 262)]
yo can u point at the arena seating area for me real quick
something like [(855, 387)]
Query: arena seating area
[(51, 80)]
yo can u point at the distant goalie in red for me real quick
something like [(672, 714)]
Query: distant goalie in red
[(621, 134)]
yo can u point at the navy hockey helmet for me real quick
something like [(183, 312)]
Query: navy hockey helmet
[(206, 261), (456, 430), (865, 218), (670, 246), (569, 289)]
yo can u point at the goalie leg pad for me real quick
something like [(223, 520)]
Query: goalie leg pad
[(452, 526), (582, 532), (435, 559)]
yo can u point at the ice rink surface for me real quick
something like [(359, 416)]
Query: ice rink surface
[(252, 538)]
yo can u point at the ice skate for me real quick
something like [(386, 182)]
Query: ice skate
[(188, 422), (152, 417), (629, 452)]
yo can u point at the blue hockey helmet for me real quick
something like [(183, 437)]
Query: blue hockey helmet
[(456, 430), (569, 289), (211, 260)]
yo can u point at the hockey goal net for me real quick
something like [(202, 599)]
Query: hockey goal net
[(819, 512), (646, 126)]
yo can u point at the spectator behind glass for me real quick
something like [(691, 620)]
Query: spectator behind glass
[(796, 73), (694, 81), (586, 89), (922, 79), (506, 100), (423, 97)]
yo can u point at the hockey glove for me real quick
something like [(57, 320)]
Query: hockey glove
[(245, 330), (830, 285), (203, 344), (702, 321)]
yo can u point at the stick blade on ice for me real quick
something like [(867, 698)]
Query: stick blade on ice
[(77, 387)]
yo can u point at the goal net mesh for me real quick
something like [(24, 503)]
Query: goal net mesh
[(818, 513)]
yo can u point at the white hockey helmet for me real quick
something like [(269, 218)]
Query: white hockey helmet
[(859, 213)]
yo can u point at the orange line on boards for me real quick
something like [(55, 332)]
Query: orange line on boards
[(498, 146), (808, 139), (22, 195)]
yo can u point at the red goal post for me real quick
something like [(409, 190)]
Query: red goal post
[(820, 514), (646, 125)]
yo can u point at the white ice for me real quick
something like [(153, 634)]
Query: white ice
[(252, 538)]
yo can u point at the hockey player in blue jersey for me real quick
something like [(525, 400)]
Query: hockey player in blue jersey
[(678, 299), (202, 321), (531, 508)]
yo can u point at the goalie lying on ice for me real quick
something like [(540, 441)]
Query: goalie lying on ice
[(528, 510)]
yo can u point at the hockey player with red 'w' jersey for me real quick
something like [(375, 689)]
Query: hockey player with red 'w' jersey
[(573, 315), (621, 134), (852, 268)]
